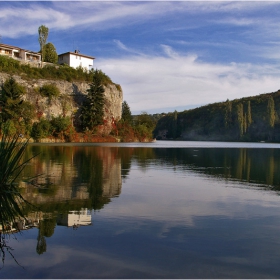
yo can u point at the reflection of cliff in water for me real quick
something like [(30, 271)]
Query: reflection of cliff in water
[(88, 176), (85, 177)]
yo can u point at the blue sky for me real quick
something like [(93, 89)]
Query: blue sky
[(166, 55)]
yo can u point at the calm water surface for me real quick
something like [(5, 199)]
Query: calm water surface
[(155, 210)]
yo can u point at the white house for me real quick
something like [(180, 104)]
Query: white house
[(76, 59), (20, 54)]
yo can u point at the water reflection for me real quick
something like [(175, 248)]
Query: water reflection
[(77, 180), (176, 211), (88, 177)]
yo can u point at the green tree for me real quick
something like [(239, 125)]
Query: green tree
[(240, 119), (144, 125), (92, 112), (174, 125), (43, 36), (10, 99), (126, 113), (60, 125), (228, 114), (249, 114), (50, 53), (41, 129), (271, 111)]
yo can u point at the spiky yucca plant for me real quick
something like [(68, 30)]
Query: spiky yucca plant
[(11, 165)]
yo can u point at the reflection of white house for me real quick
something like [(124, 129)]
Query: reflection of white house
[(20, 54), (75, 59), (75, 218)]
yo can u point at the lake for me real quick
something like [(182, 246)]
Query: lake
[(149, 210)]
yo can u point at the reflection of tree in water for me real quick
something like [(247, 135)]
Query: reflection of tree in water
[(90, 172), (125, 155), (261, 166), (45, 229)]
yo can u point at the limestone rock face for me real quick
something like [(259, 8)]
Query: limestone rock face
[(72, 96)]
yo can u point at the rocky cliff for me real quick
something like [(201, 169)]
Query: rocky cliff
[(68, 103)]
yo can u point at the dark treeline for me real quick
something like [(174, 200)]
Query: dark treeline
[(247, 119)]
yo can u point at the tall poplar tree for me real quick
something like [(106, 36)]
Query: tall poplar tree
[(228, 114), (271, 111), (43, 36), (240, 118), (249, 114), (92, 112)]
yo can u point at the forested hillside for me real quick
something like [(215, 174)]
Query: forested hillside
[(248, 119)]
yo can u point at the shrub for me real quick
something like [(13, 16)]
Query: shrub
[(60, 125), (41, 129), (49, 90)]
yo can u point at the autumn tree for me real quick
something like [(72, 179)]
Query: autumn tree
[(92, 112), (43, 36)]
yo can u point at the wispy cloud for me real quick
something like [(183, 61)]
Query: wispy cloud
[(152, 83)]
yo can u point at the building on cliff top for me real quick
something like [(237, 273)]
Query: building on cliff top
[(75, 59), (21, 54)]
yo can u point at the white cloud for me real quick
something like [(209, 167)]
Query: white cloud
[(152, 83)]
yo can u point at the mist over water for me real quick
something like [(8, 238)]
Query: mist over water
[(150, 210)]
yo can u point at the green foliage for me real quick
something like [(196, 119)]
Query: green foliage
[(92, 111), (246, 119), (49, 90), (60, 125), (52, 72), (41, 129), (271, 111), (50, 53), (11, 165), (8, 128), (11, 90), (249, 114), (16, 114), (228, 114), (43, 36), (144, 126), (126, 113)]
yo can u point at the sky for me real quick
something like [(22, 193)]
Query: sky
[(166, 55)]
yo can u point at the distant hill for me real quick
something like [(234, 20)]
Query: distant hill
[(247, 119)]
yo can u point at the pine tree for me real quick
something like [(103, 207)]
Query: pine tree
[(126, 113), (92, 112), (10, 99)]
